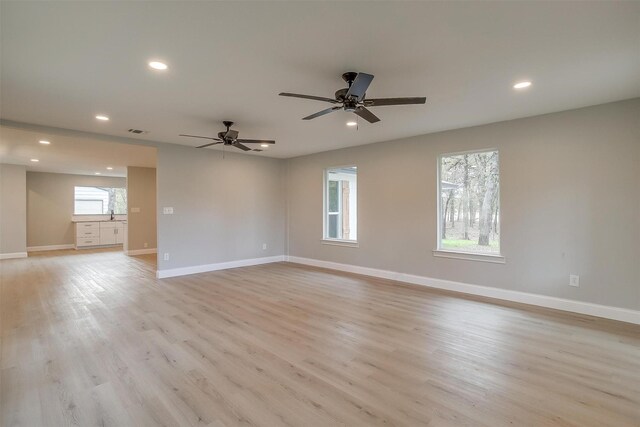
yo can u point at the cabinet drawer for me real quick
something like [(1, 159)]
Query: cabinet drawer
[(87, 226), (89, 233), (87, 241)]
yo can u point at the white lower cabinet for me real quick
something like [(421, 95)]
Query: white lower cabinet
[(99, 233), (107, 233)]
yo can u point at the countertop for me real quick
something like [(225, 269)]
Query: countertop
[(99, 220)]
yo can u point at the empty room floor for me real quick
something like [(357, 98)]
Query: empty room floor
[(92, 338)]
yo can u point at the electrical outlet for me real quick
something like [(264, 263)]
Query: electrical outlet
[(135, 210), (574, 280), (146, 245), (264, 246), (166, 256), (167, 211)]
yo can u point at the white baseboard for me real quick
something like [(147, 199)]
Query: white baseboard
[(50, 248), (183, 271), (608, 312), (142, 251), (13, 255)]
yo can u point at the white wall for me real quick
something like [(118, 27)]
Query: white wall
[(13, 211), (570, 203), (224, 209)]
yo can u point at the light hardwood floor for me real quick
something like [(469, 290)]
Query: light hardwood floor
[(92, 338)]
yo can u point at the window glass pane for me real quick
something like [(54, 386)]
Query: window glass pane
[(333, 196), (470, 202), (333, 226), (100, 200), (87, 207)]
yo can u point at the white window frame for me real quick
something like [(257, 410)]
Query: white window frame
[(325, 209), (469, 256)]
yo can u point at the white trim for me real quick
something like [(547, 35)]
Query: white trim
[(50, 248), (142, 251), (338, 242), (183, 271), (496, 259), (13, 255), (608, 312), (325, 194)]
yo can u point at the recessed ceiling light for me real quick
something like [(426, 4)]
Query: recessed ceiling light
[(156, 65), (102, 117), (521, 85), (35, 160), (264, 145), (109, 168), (351, 123), (97, 173), (43, 142)]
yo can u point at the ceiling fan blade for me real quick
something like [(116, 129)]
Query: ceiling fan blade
[(315, 98), (207, 145), (203, 137), (242, 147), (322, 113), (366, 114), (394, 101), (359, 86), (254, 141)]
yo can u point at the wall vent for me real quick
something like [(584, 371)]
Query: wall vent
[(138, 131)]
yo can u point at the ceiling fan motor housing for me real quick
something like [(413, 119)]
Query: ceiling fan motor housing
[(349, 77)]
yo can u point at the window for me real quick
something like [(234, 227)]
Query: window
[(469, 205), (341, 204), (100, 200)]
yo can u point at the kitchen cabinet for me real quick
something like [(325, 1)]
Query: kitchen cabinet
[(99, 233)]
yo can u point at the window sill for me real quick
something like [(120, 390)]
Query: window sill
[(496, 259), (336, 242)]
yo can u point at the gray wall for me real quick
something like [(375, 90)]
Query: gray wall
[(224, 209), (50, 205), (570, 203), (13, 209), (141, 194)]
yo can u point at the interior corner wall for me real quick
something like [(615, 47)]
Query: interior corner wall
[(142, 208), (13, 210), (570, 204), (224, 208), (50, 204)]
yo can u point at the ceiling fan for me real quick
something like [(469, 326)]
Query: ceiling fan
[(353, 99), (230, 137)]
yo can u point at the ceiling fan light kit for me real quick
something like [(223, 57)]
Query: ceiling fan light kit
[(352, 98)]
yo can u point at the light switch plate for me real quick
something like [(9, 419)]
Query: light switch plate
[(574, 280), (135, 210)]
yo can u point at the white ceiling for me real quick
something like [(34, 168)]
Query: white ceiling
[(71, 154), (64, 62)]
